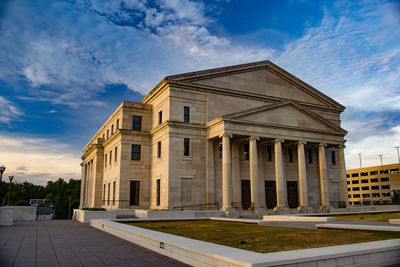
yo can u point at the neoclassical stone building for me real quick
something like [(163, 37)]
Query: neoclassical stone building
[(249, 136)]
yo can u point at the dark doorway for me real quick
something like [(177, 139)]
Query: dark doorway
[(246, 198), (270, 194), (293, 198), (134, 193)]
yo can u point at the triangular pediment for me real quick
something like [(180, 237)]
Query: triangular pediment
[(259, 79), (286, 114)]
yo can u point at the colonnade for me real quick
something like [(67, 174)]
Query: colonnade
[(86, 184), (230, 187)]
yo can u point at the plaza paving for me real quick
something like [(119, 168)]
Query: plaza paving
[(69, 243)]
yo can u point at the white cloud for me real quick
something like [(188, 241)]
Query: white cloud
[(8, 111), (371, 147), (42, 159)]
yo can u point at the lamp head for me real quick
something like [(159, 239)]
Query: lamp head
[(11, 178), (2, 168)]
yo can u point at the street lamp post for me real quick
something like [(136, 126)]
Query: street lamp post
[(2, 169), (9, 189)]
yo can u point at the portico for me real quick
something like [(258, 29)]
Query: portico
[(271, 148)]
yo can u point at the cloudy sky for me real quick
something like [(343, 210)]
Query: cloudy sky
[(66, 65)]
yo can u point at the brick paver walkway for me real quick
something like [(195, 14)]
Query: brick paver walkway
[(69, 243)]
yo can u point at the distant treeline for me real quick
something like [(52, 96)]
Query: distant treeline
[(59, 191)]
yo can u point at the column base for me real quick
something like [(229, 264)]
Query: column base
[(325, 208), (281, 209), (305, 209)]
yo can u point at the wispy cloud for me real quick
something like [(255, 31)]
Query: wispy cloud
[(8, 111), (43, 159)]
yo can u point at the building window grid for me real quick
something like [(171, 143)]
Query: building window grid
[(137, 123), (135, 152)]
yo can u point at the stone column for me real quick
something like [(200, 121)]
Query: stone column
[(323, 177), (226, 173), (87, 176), (210, 188), (302, 176), (236, 182), (255, 203), (342, 176), (83, 180), (281, 195)]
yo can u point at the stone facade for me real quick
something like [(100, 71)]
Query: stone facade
[(248, 136)]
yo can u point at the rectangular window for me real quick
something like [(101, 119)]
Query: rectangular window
[(364, 181), (290, 154), (356, 189), (112, 129), (159, 149), (103, 137), (269, 153), (374, 173), (348, 189), (220, 150), (113, 201), (115, 154), (375, 195), (385, 186), (186, 116), (135, 152), (108, 133), (376, 187), (394, 170), (375, 180), (364, 174), (348, 175), (354, 175), (158, 199), (186, 144), (310, 159), (108, 194), (134, 193), (366, 195), (355, 182), (385, 179), (333, 156), (348, 182), (117, 125), (356, 196), (137, 123), (365, 188), (384, 172), (105, 160), (104, 194), (246, 151), (160, 117), (109, 162)]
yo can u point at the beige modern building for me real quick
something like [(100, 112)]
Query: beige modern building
[(373, 185), (249, 136)]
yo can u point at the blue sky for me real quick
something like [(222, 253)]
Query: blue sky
[(66, 65)]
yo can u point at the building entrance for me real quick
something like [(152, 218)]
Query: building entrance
[(293, 198), (270, 194), (246, 197)]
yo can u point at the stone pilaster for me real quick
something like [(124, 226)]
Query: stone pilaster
[(226, 173), (281, 190), (210, 187), (342, 176), (323, 177)]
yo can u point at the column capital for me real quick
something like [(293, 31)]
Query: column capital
[(342, 146), (301, 142), (278, 141), (226, 134), (254, 138), (322, 145)]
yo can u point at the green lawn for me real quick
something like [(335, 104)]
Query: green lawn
[(262, 238), (376, 217)]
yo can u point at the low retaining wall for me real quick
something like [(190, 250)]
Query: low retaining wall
[(9, 214), (85, 216), (6, 216), (200, 253), (286, 218), (177, 214)]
